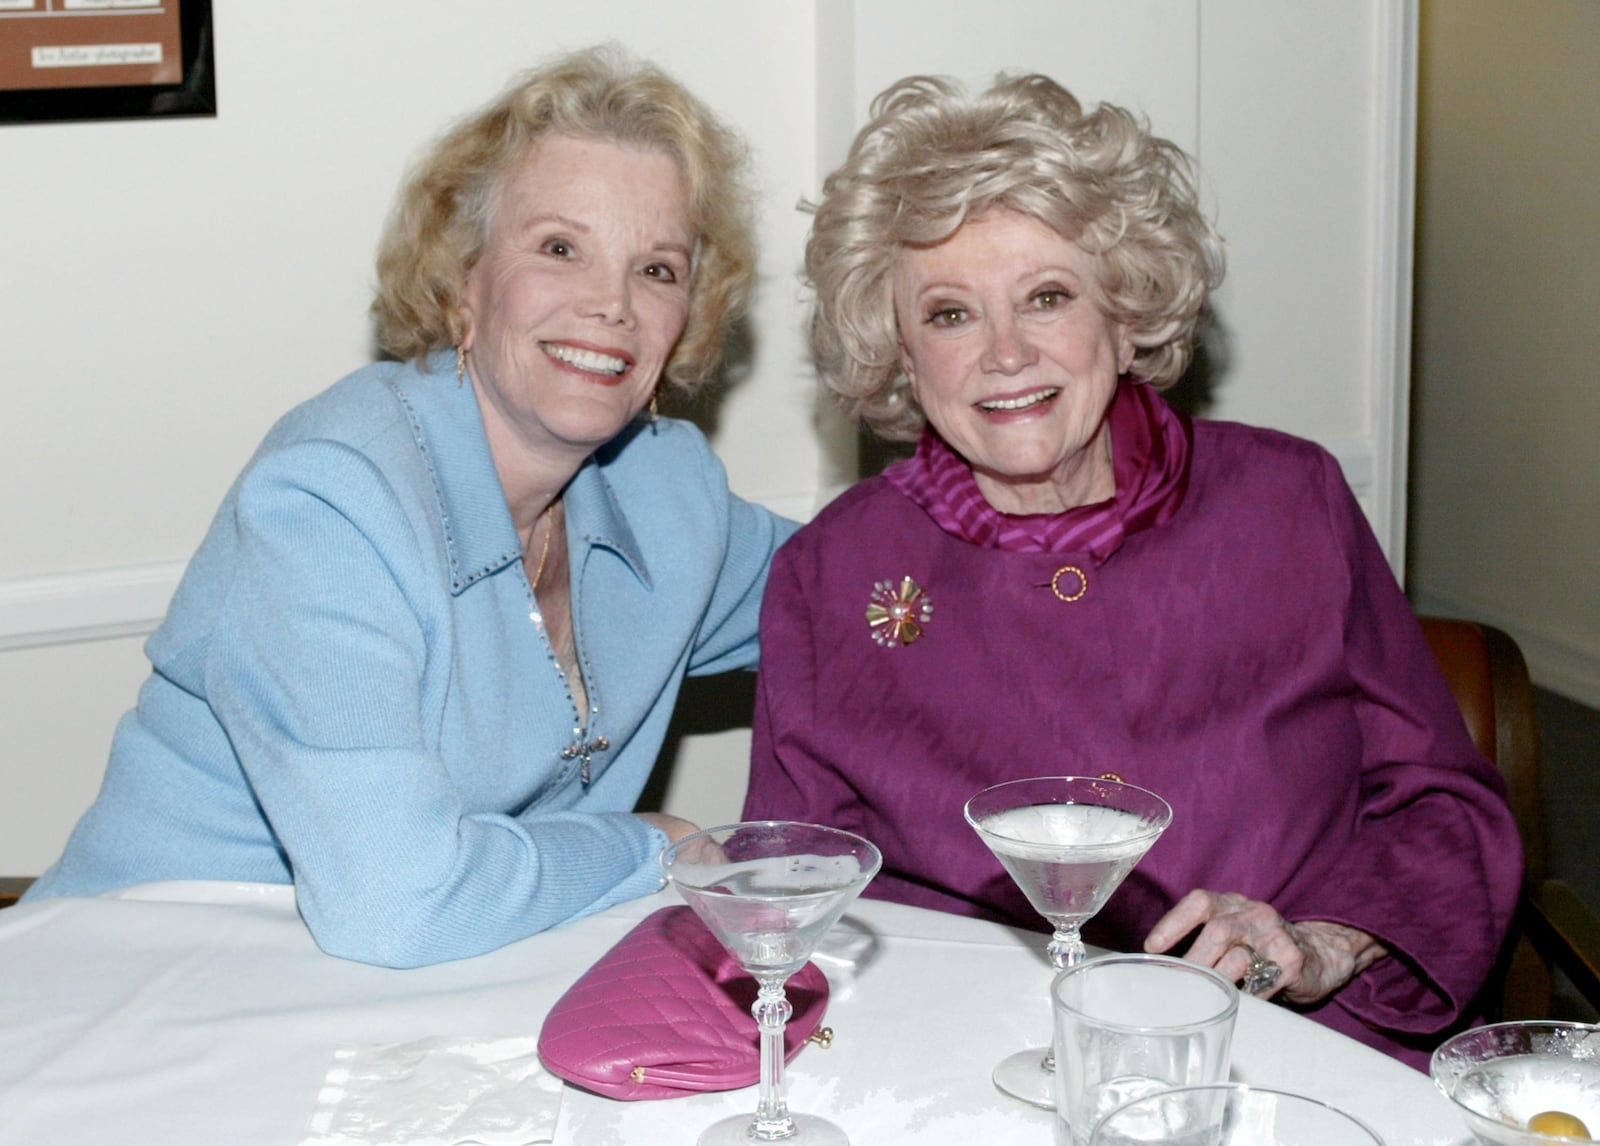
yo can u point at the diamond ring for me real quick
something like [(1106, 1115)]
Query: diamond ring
[(1261, 975)]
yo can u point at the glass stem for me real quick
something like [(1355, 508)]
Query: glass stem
[(772, 1010), (1065, 950), (1066, 947)]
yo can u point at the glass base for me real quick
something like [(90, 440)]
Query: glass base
[(1023, 1076), (809, 1130)]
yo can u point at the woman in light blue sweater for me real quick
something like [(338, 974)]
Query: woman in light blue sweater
[(424, 660)]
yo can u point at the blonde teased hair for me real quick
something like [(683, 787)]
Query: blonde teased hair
[(445, 210), (930, 158)]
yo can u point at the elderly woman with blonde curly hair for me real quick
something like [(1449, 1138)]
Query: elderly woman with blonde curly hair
[(1071, 577), (423, 663)]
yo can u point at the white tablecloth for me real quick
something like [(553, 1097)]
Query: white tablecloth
[(203, 1013)]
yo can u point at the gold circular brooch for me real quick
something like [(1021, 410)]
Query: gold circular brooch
[(1077, 593)]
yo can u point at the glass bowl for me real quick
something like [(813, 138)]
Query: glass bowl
[(1230, 1114), (1501, 1076)]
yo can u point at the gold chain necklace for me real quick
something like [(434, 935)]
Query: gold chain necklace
[(544, 550)]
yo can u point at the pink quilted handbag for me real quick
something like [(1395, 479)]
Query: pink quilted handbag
[(666, 1012)]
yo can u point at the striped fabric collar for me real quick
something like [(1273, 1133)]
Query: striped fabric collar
[(1150, 457)]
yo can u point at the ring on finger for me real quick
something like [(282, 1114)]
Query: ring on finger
[(1261, 975)]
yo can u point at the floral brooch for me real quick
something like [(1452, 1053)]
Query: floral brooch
[(897, 613)]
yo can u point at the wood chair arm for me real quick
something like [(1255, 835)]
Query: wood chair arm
[(1566, 931), (12, 887)]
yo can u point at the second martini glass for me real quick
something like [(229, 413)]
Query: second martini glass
[(1068, 842), (769, 890)]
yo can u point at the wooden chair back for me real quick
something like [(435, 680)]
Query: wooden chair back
[(1486, 671), (1554, 928)]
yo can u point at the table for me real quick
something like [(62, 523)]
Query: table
[(202, 1013)]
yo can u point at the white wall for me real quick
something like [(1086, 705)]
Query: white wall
[(171, 287), (1507, 479)]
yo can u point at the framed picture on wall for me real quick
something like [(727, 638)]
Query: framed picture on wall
[(105, 59)]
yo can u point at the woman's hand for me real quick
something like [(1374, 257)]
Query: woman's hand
[(675, 826), (1315, 958)]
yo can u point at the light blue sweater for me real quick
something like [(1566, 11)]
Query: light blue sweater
[(348, 692)]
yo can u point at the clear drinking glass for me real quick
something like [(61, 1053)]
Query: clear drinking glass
[(1068, 842), (1131, 1025), (770, 891), (1231, 1114)]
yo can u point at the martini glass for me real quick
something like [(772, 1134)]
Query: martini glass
[(1068, 841), (770, 891)]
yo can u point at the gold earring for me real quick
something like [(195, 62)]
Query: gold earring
[(655, 410), (461, 365)]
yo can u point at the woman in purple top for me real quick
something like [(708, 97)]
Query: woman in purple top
[(1197, 607)]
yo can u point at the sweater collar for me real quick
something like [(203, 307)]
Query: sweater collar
[(479, 535)]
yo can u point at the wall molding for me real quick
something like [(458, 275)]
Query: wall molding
[(1393, 236), (96, 605), (1359, 461)]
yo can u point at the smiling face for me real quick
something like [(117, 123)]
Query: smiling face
[(1012, 360), (577, 300)]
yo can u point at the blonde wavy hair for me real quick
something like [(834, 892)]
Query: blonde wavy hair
[(932, 157), (445, 210)]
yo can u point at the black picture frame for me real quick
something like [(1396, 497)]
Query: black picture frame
[(194, 95)]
